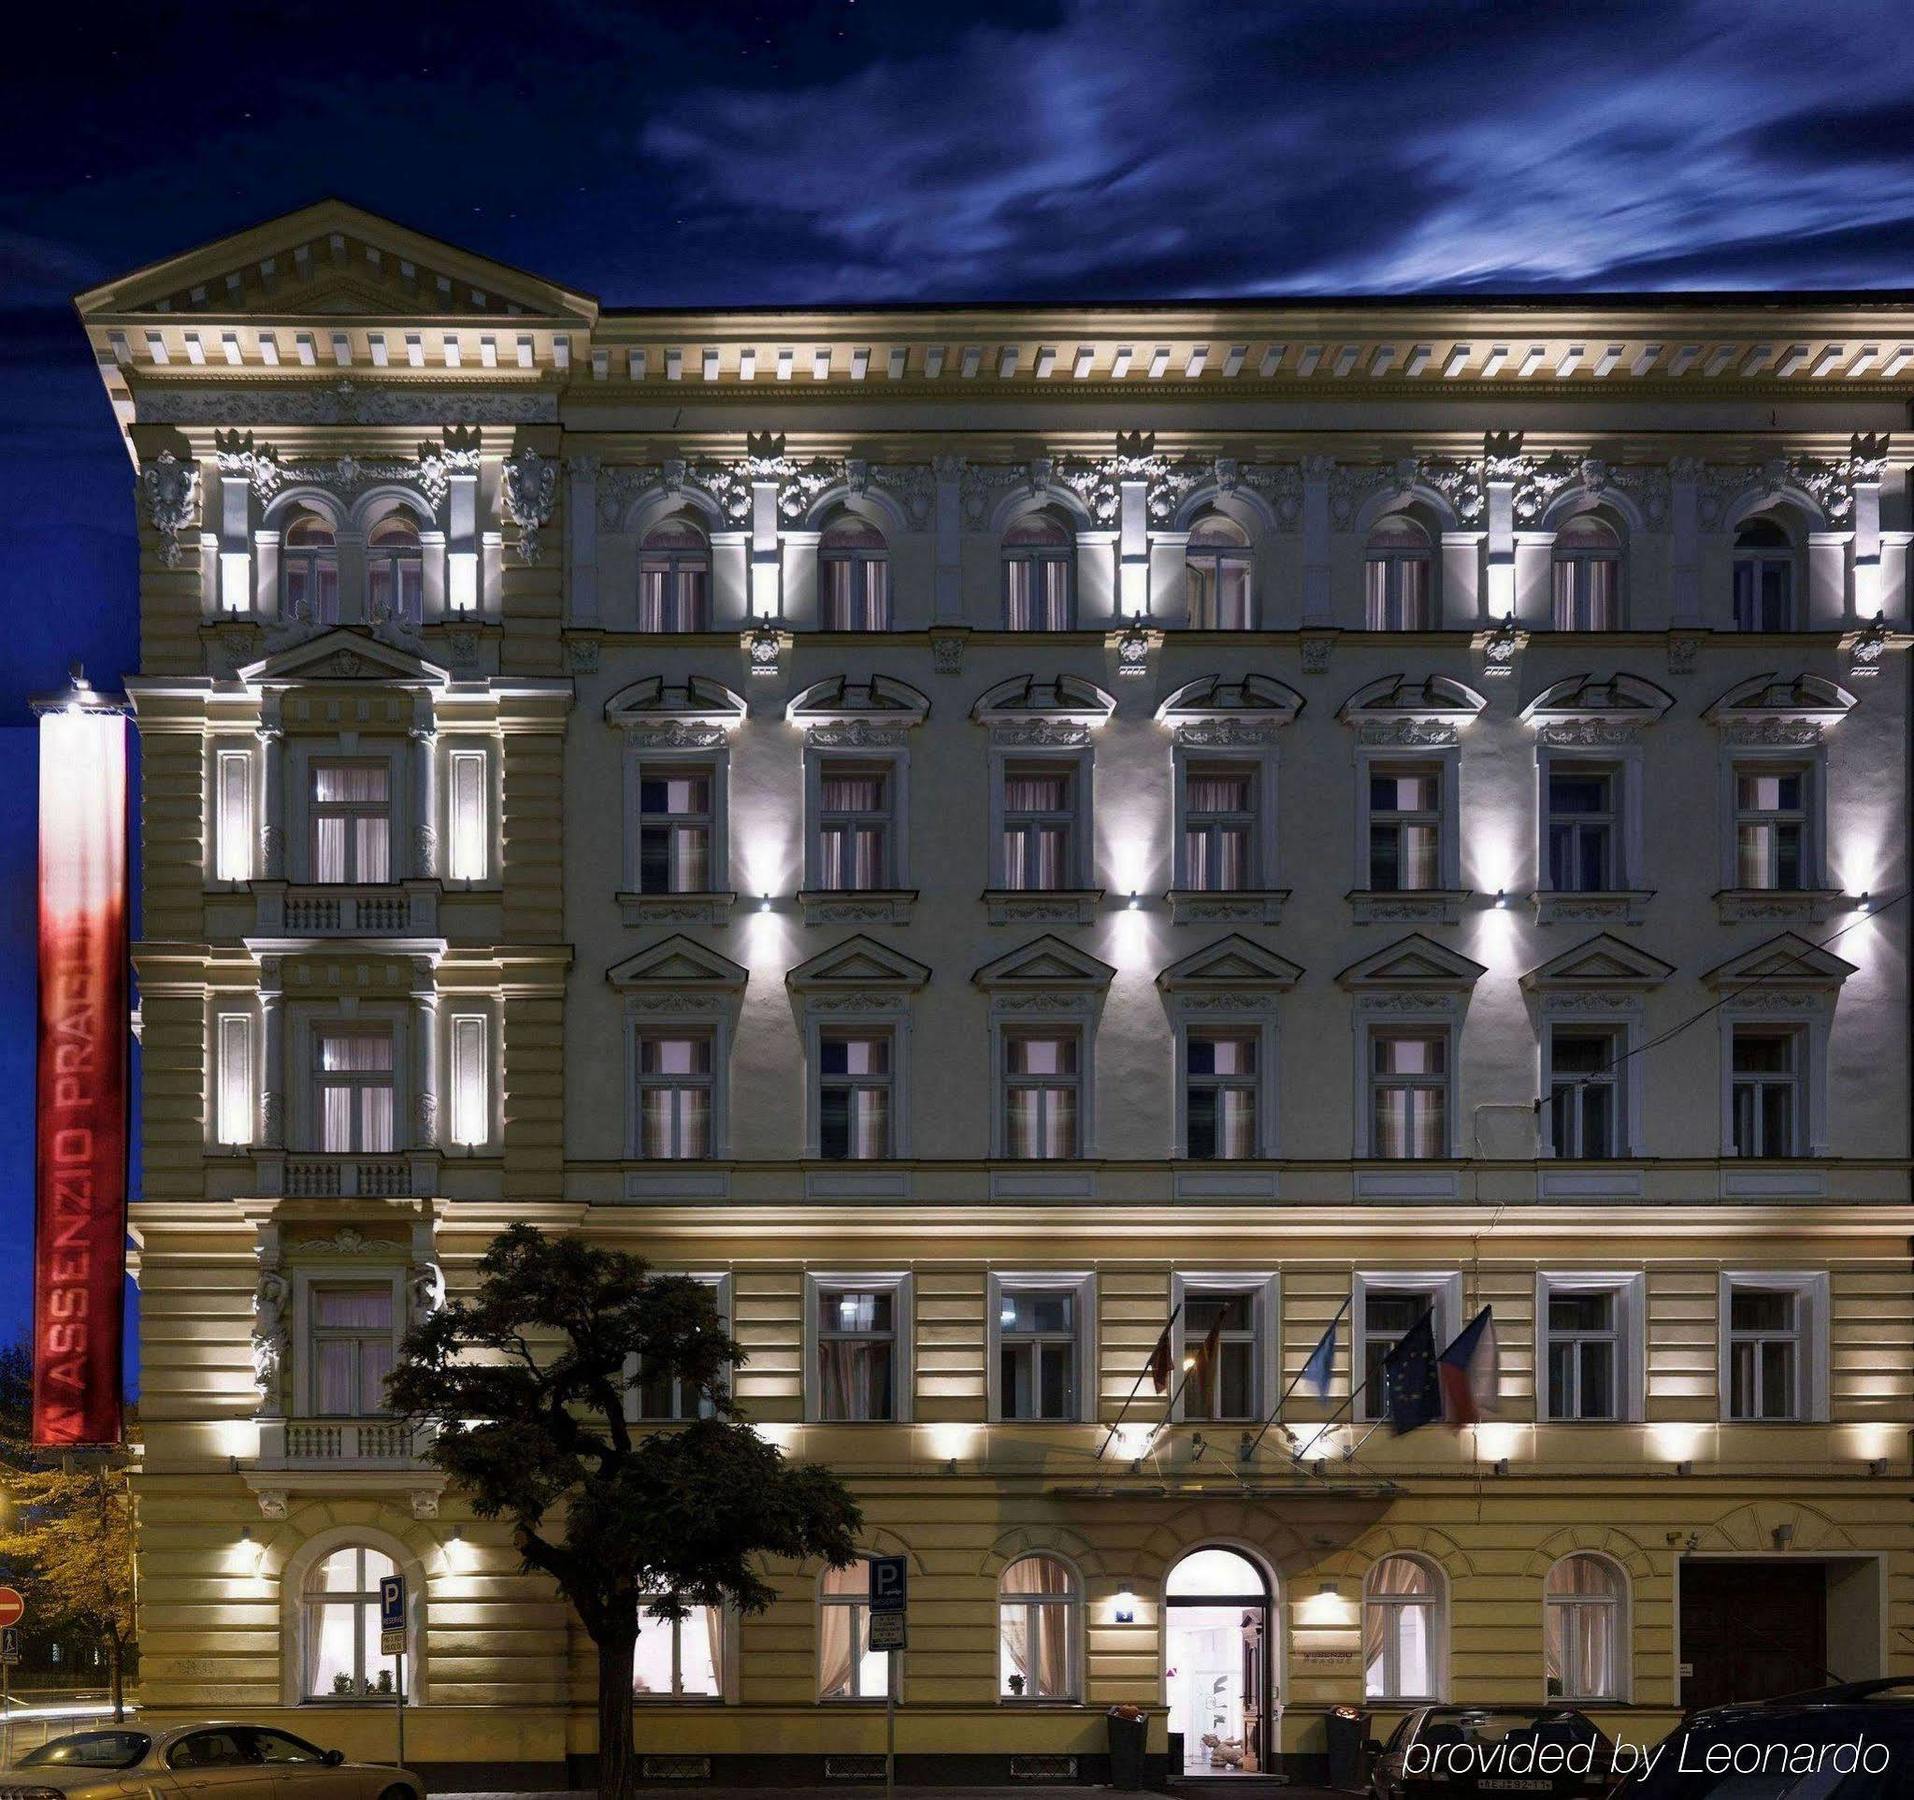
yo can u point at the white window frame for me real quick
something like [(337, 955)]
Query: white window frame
[(1082, 1026), (1812, 761), (1623, 763), (642, 1025), (713, 759), (1083, 1288), (1763, 556), (727, 1642), (1578, 560), (469, 1087), (1630, 1291), (819, 1024), (1442, 1288), (1259, 1024), (860, 1629), (1620, 1030), (895, 766), (1037, 556), (235, 808), (1264, 1286), (235, 1080), (1620, 1630), (720, 1284), (1446, 760), (470, 840), (307, 1115), (1438, 1604), (1079, 761), (1393, 557), (1262, 766), (1811, 1335), (1810, 1033), (309, 1600), (858, 557), (1071, 1605), (347, 747), (903, 1340), (1369, 1026), (305, 1279)]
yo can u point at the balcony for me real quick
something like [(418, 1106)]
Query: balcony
[(323, 1444), (404, 909), (314, 1175)]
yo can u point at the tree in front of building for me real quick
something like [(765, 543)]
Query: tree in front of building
[(529, 1385), (67, 1536)]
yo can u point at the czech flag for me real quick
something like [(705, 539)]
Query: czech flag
[(1471, 1373)]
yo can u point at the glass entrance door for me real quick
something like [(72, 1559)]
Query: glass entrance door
[(1216, 1651)]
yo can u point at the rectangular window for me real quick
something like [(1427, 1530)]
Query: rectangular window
[(1037, 594), (351, 820), (233, 774), (1037, 1354), (1389, 1315), (674, 592), (1039, 827), (1042, 1093), (1219, 827), (1584, 1354), (468, 859), (1583, 829), (854, 1095), (471, 1086), (356, 1079), (1765, 1090), (857, 1353), (235, 1078), (1405, 828), (1588, 593), (1396, 593), (1408, 1093), (679, 1658), (854, 827), (662, 1395), (1765, 1346), (675, 1088), (856, 593), (1220, 1383), (1771, 828), (1220, 1094), (352, 1336), (675, 828), (1585, 1093), (1764, 593)]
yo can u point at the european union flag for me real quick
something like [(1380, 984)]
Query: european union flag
[(1411, 1388)]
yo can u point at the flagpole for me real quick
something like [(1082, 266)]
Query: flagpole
[(1358, 1392), (1348, 1299), (1168, 1326)]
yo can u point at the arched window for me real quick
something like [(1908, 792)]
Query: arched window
[(853, 577), (1764, 576), (309, 571), (847, 1667), (1216, 566), (1039, 575), (1037, 1613), (679, 1659), (1582, 1625), (395, 570), (1588, 575), (342, 1656), (1402, 1630), (674, 578), (1398, 575)]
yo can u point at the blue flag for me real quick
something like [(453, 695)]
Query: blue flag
[(1411, 1388), (1322, 1360)]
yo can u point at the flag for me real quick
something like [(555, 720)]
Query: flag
[(1322, 1361), (1471, 1373), (1162, 1363), (1204, 1367), (1411, 1392)]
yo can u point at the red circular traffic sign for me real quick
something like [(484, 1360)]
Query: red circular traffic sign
[(12, 1607)]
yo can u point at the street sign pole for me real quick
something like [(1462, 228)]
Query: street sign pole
[(890, 1731), (890, 1598), (12, 1610), (392, 1644), (399, 1702), (6, 1700)]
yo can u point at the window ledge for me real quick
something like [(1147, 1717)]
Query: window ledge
[(1424, 906), (706, 908), (1626, 906), (1204, 906), (1067, 906), (856, 906), (1798, 905)]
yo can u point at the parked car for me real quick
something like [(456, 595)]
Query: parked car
[(1453, 1750), (207, 1762), (1852, 1742)]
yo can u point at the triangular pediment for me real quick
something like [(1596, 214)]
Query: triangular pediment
[(345, 655), (678, 962), (859, 962), (1603, 961), (1413, 962), (1045, 962), (1231, 962), (335, 259), (1785, 961)]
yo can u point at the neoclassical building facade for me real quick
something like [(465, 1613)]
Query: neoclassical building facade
[(993, 836)]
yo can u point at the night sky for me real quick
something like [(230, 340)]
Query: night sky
[(865, 150)]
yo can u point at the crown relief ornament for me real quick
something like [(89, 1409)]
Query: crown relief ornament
[(170, 489)]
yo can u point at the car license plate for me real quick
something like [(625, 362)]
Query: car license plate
[(1516, 1784)]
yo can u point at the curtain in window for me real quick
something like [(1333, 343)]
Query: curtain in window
[(1408, 1122), (854, 1379), (1036, 1631), (1043, 1122), (834, 1646), (1036, 793)]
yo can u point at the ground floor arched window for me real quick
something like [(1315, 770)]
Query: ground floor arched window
[(343, 1661), (1037, 1619)]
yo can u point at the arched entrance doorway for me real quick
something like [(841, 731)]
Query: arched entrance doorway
[(1217, 1661)]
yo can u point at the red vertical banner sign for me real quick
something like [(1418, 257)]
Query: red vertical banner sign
[(80, 1201)]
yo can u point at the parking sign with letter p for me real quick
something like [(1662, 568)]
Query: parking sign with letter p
[(890, 1580)]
